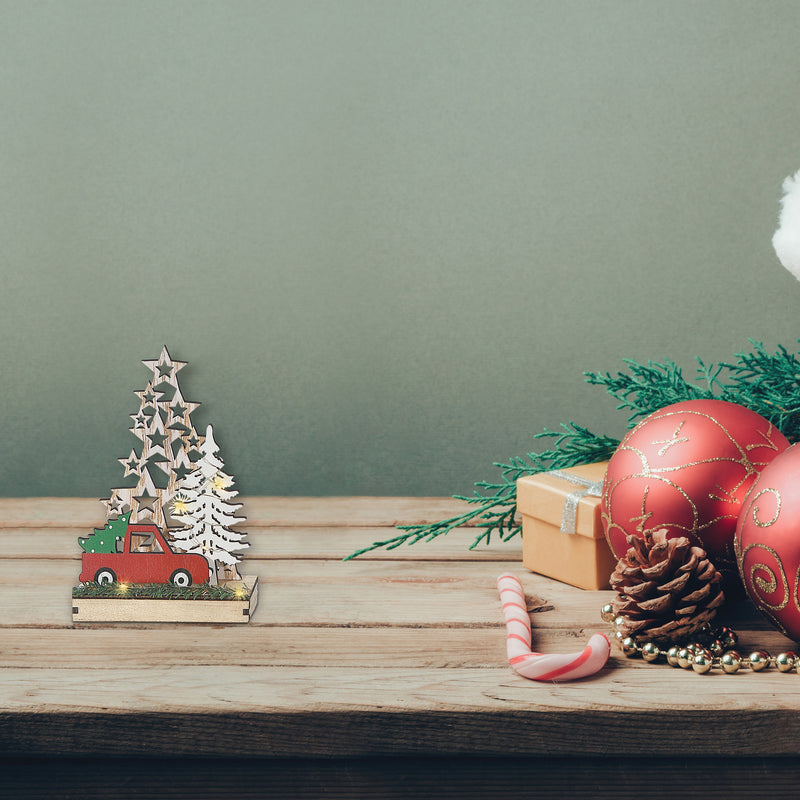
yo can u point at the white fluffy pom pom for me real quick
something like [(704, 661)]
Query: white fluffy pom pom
[(786, 240)]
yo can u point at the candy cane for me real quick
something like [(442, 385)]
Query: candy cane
[(543, 666)]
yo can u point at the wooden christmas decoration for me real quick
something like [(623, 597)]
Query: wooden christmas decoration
[(167, 552), (106, 540), (204, 505), (168, 439)]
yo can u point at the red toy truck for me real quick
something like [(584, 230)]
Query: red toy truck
[(145, 558)]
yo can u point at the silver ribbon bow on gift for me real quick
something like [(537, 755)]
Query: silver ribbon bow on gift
[(570, 512)]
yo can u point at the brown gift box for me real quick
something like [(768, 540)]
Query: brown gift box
[(562, 535)]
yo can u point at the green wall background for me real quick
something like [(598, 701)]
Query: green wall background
[(387, 237)]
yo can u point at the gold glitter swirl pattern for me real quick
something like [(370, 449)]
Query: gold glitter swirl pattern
[(744, 458), (749, 457), (796, 591), (756, 509), (762, 579)]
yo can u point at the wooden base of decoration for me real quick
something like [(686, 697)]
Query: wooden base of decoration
[(134, 609)]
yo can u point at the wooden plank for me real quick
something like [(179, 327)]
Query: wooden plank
[(329, 593), (425, 778), (276, 712), (323, 593), (168, 645), (298, 512), (398, 654), (337, 543), (371, 648), (206, 689), (319, 543)]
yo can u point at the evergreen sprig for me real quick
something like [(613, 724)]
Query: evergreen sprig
[(649, 387), (769, 384), (766, 383), (496, 501)]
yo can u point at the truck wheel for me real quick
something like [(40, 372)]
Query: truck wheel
[(181, 578), (105, 576)]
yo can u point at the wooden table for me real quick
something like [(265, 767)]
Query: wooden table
[(385, 677)]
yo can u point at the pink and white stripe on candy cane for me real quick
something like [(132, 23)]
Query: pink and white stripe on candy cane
[(543, 666)]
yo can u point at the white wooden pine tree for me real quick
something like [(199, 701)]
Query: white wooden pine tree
[(164, 427), (203, 504)]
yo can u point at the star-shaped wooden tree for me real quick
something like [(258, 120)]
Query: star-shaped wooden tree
[(168, 446)]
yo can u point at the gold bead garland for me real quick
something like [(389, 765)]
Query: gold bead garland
[(714, 649)]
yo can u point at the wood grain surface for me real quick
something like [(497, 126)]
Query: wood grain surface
[(373, 669)]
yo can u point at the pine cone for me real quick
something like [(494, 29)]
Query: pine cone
[(667, 590)]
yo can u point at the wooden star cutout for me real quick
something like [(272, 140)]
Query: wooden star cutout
[(132, 464), (148, 397), (118, 502), (178, 401), (139, 420), (181, 471), (145, 503), (157, 439), (164, 366), (113, 504)]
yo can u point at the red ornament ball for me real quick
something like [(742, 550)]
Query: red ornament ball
[(687, 468), (767, 543)]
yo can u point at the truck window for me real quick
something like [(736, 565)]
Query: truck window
[(145, 543)]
